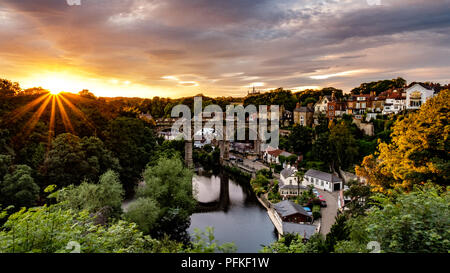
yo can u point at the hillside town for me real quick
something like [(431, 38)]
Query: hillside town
[(326, 190)]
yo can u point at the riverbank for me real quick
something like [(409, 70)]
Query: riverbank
[(243, 220)]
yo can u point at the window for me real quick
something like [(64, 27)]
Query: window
[(416, 103)]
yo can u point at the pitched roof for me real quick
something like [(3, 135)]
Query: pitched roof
[(304, 230), (287, 172), (286, 208), (323, 175), (275, 152), (286, 154), (421, 84)]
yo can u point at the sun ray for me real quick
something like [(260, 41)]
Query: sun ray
[(67, 124), (51, 129), (22, 110), (77, 111), (29, 126)]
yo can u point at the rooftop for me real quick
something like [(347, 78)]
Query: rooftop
[(323, 175), (275, 153), (287, 208), (288, 172), (304, 230)]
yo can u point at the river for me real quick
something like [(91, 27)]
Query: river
[(235, 213)]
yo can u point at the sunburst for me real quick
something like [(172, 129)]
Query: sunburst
[(57, 100)]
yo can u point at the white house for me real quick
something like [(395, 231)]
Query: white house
[(322, 180), (417, 94), (321, 106), (394, 106), (289, 184), (273, 156)]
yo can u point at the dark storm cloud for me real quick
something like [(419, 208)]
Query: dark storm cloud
[(386, 20), (280, 43)]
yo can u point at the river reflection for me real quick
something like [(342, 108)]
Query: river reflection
[(234, 213)]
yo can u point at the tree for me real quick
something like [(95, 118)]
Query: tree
[(289, 243), (87, 94), (108, 193), (359, 195), (49, 229), (260, 184), (133, 143), (5, 163), (299, 174), (418, 221), (322, 149), (282, 159), (72, 160), (379, 86), (8, 88), (169, 184), (100, 159), (315, 244), (66, 161), (18, 187), (204, 242), (338, 232), (4, 142), (418, 151), (300, 139), (343, 145), (145, 213)]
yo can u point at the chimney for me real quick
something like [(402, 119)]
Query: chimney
[(310, 105), (297, 105)]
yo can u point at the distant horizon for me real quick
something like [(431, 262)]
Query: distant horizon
[(243, 95)]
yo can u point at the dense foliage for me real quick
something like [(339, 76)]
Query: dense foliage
[(166, 200), (418, 152), (379, 86)]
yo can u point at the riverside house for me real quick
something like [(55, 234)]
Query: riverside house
[(289, 184), (322, 180), (292, 218)]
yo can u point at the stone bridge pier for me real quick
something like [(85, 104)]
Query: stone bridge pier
[(224, 147), (188, 153)]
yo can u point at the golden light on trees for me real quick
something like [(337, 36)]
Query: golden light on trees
[(51, 101), (418, 151)]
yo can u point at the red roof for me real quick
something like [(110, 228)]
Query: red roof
[(275, 153)]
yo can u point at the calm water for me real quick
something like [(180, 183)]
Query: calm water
[(234, 213)]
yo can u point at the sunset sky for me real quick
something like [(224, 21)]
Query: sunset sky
[(221, 47)]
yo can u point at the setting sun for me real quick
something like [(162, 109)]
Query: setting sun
[(55, 92)]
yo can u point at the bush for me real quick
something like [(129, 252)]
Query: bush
[(266, 172), (278, 168), (316, 212)]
